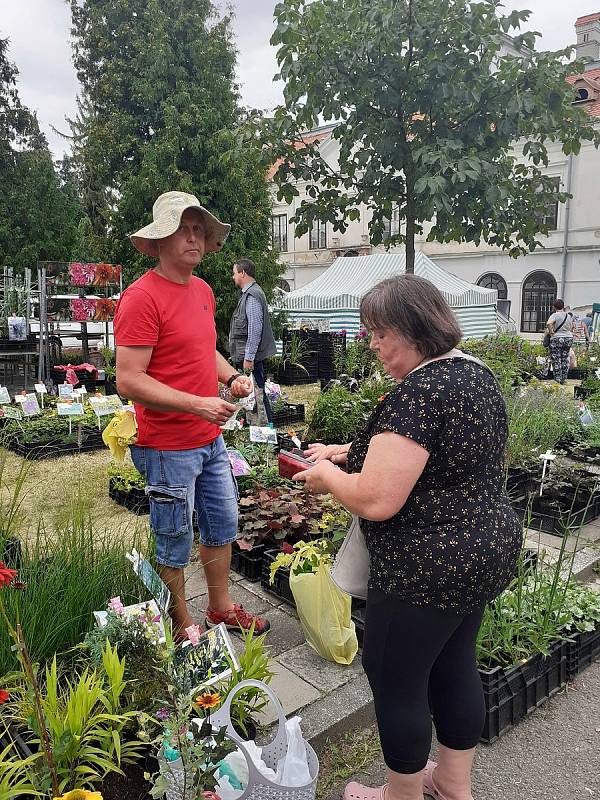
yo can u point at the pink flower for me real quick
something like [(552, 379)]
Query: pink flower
[(82, 309), (193, 634), (116, 605), (82, 274)]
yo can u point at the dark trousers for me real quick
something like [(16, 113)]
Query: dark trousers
[(259, 379), (420, 662), (559, 353)]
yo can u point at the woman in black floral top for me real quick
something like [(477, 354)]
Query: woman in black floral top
[(426, 478)]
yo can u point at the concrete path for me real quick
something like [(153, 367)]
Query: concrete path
[(554, 754)]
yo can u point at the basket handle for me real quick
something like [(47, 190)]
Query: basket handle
[(223, 715)]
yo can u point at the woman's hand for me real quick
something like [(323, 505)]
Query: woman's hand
[(315, 478), (336, 453)]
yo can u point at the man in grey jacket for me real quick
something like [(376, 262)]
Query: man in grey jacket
[(251, 339)]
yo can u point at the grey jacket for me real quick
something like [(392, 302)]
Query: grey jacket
[(238, 331)]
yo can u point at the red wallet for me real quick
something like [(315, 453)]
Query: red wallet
[(290, 463)]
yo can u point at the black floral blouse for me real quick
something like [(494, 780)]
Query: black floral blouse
[(455, 542)]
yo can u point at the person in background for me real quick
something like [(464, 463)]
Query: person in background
[(581, 333), (426, 478), (560, 328), (251, 339), (168, 364)]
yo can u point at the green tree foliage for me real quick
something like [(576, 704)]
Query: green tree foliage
[(160, 111), (38, 207), (430, 106)]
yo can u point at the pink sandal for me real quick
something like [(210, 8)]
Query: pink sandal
[(356, 791), (429, 787)]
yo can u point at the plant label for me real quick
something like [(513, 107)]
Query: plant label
[(65, 390), (4, 395), (10, 412), (20, 398), (80, 392), (30, 405), (137, 609), (69, 409), (239, 465), (263, 435), (41, 388), (102, 409), (151, 580), (207, 662)]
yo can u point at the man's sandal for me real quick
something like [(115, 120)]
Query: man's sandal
[(356, 791)]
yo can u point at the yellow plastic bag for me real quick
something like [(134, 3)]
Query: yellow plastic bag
[(120, 432), (324, 612)]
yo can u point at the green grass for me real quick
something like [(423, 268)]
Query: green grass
[(342, 760)]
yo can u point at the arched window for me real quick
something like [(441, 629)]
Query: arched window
[(491, 280), (282, 284), (539, 294)]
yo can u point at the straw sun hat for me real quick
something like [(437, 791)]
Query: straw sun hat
[(166, 216)]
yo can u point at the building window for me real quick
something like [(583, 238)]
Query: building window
[(318, 235), (550, 217), (282, 284), (539, 294), (586, 37), (392, 225), (279, 232), (492, 280)]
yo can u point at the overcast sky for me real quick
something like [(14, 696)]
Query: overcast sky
[(40, 47)]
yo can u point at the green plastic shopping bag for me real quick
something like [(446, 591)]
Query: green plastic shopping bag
[(324, 612)]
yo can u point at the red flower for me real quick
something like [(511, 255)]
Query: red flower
[(6, 575), (4, 695)]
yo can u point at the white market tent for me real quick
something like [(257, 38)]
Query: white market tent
[(336, 294)]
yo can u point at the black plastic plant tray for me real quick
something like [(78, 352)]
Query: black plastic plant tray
[(135, 500), (281, 585), (291, 413), (248, 563), (583, 650), (37, 452), (514, 692)]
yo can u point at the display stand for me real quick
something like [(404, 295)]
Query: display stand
[(74, 292)]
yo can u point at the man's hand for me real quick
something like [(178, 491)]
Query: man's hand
[(241, 386), (213, 409), (248, 364)]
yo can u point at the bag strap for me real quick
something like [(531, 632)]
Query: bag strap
[(556, 330)]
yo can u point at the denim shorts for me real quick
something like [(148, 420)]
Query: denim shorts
[(179, 481)]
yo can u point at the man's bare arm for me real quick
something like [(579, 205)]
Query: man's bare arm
[(134, 383)]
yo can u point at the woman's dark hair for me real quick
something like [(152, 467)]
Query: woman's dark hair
[(247, 266), (559, 305), (415, 309)]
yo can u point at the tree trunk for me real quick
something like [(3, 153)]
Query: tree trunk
[(410, 226)]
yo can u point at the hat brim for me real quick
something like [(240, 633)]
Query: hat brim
[(146, 239)]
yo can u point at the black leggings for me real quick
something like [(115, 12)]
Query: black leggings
[(420, 662)]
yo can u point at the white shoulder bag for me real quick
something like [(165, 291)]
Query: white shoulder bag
[(350, 570)]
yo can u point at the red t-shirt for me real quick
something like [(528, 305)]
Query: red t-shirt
[(178, 322)]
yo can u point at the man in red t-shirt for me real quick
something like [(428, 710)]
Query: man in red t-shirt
[(168, 364)]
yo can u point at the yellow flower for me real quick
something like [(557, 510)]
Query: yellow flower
[(208, 700), (80, 794)]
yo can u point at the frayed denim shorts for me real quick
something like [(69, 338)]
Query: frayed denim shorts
[(181, 481)]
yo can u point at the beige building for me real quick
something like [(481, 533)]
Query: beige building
[(568, 265)]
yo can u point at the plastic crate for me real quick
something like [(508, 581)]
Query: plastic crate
[(281, 585), (84, 377), (548, 519), (248, 563), (288, 415), (512, 693), (582, 651)]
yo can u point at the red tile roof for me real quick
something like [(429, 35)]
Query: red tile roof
[(307, 138), (587, 18), (592, 75)]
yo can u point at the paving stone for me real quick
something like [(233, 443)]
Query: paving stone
[(251, 602), (293, 693), (321, 674), (285, 634), (258, 590)]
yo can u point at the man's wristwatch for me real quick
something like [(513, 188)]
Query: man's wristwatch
[(232, 378)]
